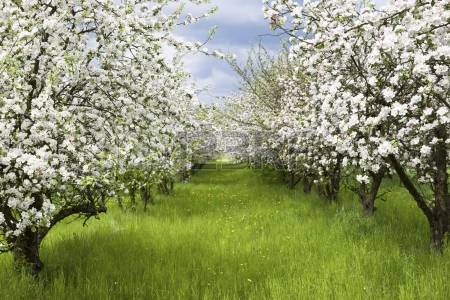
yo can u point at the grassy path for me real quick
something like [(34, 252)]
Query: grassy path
[(240, 234)]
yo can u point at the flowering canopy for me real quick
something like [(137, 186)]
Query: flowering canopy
[(85, 92), (378, 84)]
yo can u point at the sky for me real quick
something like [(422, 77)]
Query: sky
[(240, 26)]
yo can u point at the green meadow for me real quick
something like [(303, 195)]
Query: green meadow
[(240, 234)]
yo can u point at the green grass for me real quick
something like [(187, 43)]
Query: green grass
[(240, 234)]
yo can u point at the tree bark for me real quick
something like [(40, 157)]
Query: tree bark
[(26, 252), (368, 195), (133, 199), (120, 202), (332, 187), (438, 214), (166, 186), (146, 197), (307, 185), (26, 246), (163, 188), (292, 180), (440, 225), (336, 179), (439, 230)]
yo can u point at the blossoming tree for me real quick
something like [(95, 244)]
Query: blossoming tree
[(82, 84), (382, 89)]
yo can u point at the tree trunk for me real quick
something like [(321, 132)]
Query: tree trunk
[(438, 232), (438, 214), (368, 204), (26, 252), (146, 197), (166, 186), (163, 187), (133, 199), (289, 178), (292, 181), (440, 224), (25, 247), (368, 195), (332, 187), (307, 185), (120, 202), (336, 179)]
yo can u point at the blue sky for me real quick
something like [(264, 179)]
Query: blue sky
[(240, 26)]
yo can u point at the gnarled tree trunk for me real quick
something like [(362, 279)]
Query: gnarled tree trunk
[(26, 246), (26, 251)]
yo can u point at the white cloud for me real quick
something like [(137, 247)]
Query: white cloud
[(240, 22), (239, 11), (218, 84), (381, 3)]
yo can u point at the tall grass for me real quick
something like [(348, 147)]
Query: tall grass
[(240, 234)]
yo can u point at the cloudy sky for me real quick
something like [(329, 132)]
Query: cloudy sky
[(240, 26)]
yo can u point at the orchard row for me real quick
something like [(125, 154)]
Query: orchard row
[(358, 93)]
